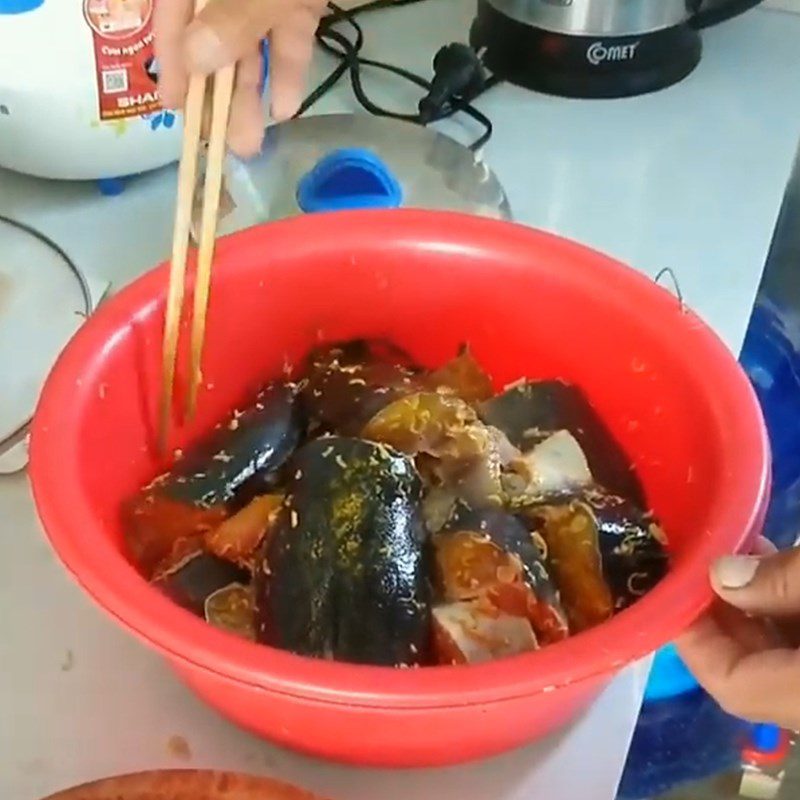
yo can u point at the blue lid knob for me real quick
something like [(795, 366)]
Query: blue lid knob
[(348, 179)]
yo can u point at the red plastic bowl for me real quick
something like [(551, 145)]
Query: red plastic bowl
[(530, 304)]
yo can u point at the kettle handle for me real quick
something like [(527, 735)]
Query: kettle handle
[(706, 17)]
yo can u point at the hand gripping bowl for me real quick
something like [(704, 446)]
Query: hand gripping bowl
[(529, 304)]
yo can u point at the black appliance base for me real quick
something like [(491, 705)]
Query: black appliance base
[(583, 66)]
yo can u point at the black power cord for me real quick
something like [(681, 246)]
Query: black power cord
[(459, 77), (59, 251)]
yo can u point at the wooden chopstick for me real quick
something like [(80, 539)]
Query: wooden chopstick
[(220, 109), (187, 179), (222, 84)]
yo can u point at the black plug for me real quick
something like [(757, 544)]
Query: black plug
[(457, 74)]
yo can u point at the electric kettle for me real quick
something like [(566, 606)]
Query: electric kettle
[(596, 48)]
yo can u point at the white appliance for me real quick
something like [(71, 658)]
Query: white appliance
[(78, 98)]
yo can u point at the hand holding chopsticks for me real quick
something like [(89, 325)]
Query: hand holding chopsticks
[(228, 31), (221, 91), (219, 34)]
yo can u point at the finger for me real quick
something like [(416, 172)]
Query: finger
[(705, 646), (226, 30), (789, 629), (764, 547), (764, 585), (170, 18), (761, 687), (754, 634), (291, 50), (246, 126)]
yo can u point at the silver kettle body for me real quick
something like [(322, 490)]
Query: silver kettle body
[(598, 17)]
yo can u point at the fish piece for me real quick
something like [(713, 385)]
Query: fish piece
[(633, 546), (232, 609), (489, 552), (481, 484), (262, 483), (155, 527), (428, 422), (574, 552), (473, 633), (469, 564), (191, 582), (463, 377), (182, 550), (345, 574), (605, 553), (192, 498), (237, 539), (555, 467), (438, 505), (347, 383), (258, 439), (453, 447), (532, 411)]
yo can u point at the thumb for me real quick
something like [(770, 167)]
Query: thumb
[(226, 30), (767, 586)]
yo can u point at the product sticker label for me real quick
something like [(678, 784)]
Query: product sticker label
[(123, 54)]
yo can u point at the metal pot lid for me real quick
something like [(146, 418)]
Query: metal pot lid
[(345, 161)]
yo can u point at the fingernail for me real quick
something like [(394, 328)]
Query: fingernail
[(205, 51), (735, 572)]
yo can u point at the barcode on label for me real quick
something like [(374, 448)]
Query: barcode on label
[(115, 81)]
